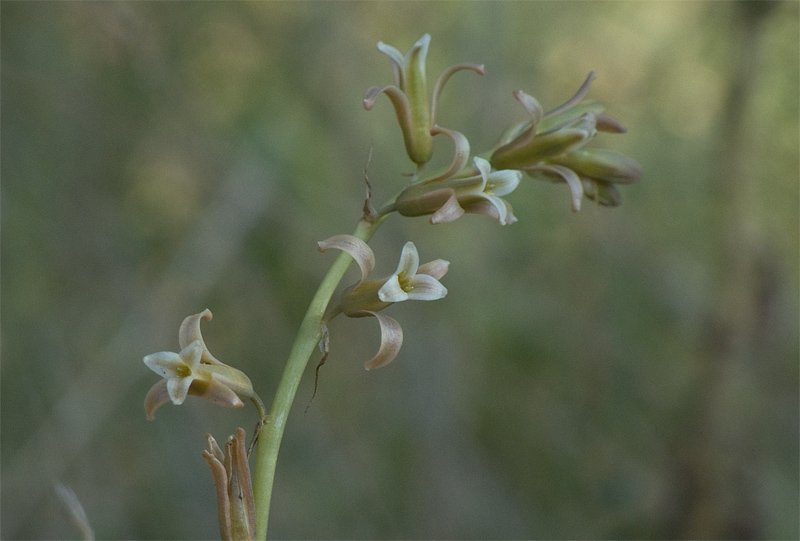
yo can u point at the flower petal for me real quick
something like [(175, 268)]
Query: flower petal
[(190, 331), (409, 261), (192, 354), (397, 60), (460, 155), (485, 168), (570, 177), (491, 206), (503, 182), (574, 100), (164, 363), (178, 388), (445, 76), (451, 210), (391, 291), (425, 287), (217, 392), (156, 397), (356, 248), (391, 341), (436, 268)]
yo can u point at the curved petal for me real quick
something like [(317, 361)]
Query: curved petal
[(526, 131), (574, 100), (425, 287), (190, 331), (451, 210), (356, 248), (436, 268), (156, 397), (460, 154), (485, 168), (499, 209), (409, 261), (397, 60), (491, 206), (445, 76), (531, 105), (570, 177), (392, 291), (391, 341)]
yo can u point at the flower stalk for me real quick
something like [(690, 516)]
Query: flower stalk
[(304, 345)]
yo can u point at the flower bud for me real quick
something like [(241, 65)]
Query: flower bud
[(600, 164), (409, 96)]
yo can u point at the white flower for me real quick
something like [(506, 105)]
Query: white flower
[(411, 281), (194, 371)]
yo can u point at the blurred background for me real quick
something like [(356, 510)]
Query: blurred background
[(616, 373)]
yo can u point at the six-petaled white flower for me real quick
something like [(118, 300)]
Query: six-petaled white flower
[(195, 371), (411, 281)]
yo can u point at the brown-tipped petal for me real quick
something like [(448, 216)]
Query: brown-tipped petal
[(609, 124), (356, 248), (215, 391), (190, 331), (570, 177), (574, 100), (220, 477), (448, 212), (460, 154), (445, 76), (157, 396), (436, 268), (391, 341)]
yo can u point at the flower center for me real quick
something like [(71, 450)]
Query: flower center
[(183, 371)]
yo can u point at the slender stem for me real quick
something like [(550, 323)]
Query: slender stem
[(306, 341)]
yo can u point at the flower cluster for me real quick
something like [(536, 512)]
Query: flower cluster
[(551, 146), (411, 281)]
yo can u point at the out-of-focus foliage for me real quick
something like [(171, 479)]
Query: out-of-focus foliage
[(616, 373)]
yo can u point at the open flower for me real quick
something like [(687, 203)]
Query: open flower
[(411, 281), (409, 96), (195, 371), (477, 190), (235, 503), (550, 146)]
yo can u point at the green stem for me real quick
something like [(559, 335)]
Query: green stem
[(308, 336)]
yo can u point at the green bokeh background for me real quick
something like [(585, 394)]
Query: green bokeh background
[(616, 373)]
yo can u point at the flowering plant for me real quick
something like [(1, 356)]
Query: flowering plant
[(550, 145)]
